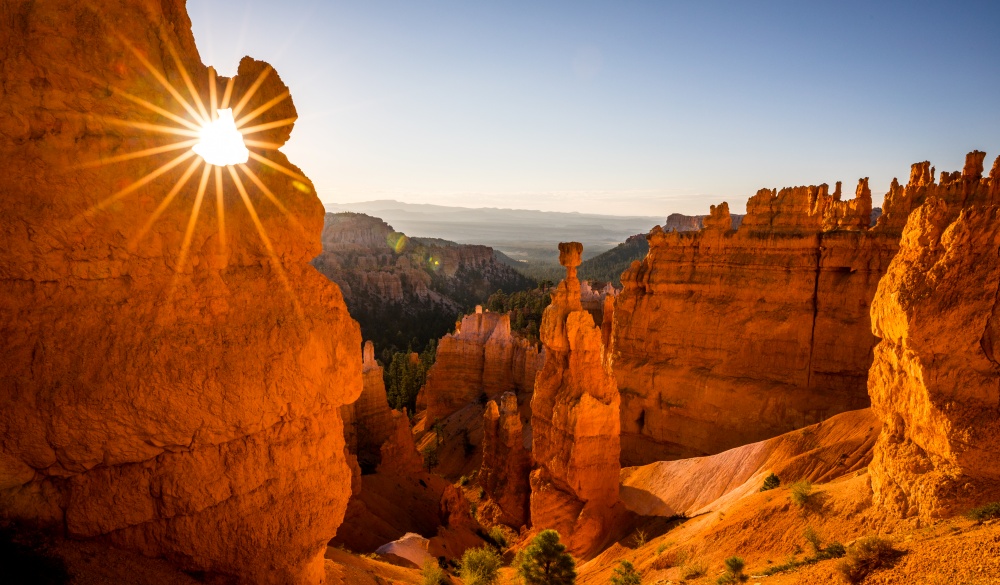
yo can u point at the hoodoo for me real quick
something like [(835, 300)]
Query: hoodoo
[(506, 463), (481, 358), (725, 337), (934, 381), (575, 421), (173, 368)]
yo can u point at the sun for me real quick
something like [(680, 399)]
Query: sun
[(218, 137), (220, 142)]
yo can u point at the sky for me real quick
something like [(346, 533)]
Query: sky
[(617, 107)]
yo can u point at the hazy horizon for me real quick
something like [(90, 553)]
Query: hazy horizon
[(642, 109)]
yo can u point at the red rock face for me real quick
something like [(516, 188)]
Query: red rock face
[(575, 421), (369, 421), (934, 381), (506, 464), (184, 406), (480, 357), (723, 338)]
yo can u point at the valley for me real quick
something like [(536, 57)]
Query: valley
[(210, 377)]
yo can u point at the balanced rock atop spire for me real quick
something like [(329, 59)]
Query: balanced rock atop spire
[(575, 421)]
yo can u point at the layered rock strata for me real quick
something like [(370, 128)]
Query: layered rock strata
[(725, 337), (481, 358), (182, 404), (575, 421), (935, 380), (506, 464)]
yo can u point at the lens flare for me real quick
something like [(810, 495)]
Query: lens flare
[(220, 143), (213, 135)]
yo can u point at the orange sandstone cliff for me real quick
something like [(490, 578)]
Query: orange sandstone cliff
[(174, 390), (575, 421), (935, 378), (481, 358), (723, 338)]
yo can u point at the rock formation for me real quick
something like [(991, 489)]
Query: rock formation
[(934, 381), (506, 464), (369, 422), (692, 223), (723, 338), (414, 286), (180, 404), (575, 421), (481, 358)]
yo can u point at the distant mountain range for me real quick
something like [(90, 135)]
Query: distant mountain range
[(524, 235)]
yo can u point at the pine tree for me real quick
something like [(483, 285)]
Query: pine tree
[(546, 562), (625, 574)]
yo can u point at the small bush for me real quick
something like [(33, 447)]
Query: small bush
[(834, 550), (694, 570), (865, 556), (463, 480), (674, 558), (480, 566), (801, 493), (735, 565), (498, 537), (983, 513), (813, 539), (640, 537), (734, 572), (432, 573), (625, 574), (770, 482), (662, 547)]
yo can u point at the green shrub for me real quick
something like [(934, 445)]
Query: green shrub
[(813, 539), (463, 480), (734, 572), (546, 562), (834, 550), (499, 537), (432, 573), (480, 566), (625, 574), (662, 547), (801, 493), (987, 512), (770, 482), (866, 555)]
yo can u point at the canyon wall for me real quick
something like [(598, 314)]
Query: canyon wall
[(574, 420), (506, 464), (481, 358), (936, 373), (723, 338), (173, 366), (401, 288)]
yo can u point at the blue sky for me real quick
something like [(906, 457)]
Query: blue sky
[(626, 108)]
